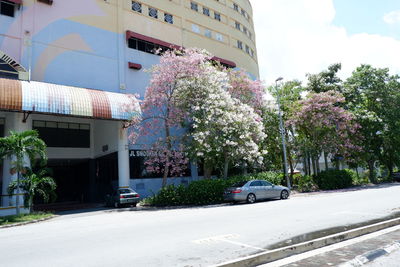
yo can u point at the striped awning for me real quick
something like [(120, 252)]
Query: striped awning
[(46, 98)]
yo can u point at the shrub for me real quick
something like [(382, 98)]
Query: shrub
[(334, 179), (305, 183)]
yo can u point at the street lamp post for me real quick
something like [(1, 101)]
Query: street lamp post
[(282, 130)]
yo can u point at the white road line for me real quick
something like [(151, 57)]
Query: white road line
[(244, 245), (315, 252), (226, 239)]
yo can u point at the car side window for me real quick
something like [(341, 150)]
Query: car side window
[(265, 183), (255, 183)]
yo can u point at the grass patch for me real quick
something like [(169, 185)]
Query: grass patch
[(24, 218)]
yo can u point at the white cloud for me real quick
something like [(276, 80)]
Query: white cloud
[(392, 17), (295, 37)]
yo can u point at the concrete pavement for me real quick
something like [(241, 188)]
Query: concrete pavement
[(199, 236)]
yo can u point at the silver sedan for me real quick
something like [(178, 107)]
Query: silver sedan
[(254, 190)]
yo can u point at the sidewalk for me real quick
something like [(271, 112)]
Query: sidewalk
[(354, 252)]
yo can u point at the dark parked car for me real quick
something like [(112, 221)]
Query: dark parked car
[(254, 190), (122, 197), (396, 176)]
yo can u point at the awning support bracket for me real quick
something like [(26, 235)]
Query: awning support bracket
[(26, 116)]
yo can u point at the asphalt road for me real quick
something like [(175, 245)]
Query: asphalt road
[(187, 237)]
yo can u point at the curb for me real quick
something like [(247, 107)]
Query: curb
[(28, 222), (280, 253), (372, 255)]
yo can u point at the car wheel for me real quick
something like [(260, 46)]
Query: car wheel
[(251, 198), (134, 204), (284, 194), (116, 204)]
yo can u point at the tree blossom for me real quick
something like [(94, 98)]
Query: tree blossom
[(324, 126)]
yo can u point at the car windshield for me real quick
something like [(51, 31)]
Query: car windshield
[(125, 191), (239, 184)]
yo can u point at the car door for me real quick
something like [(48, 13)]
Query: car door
[(256, 189), (267, 188)]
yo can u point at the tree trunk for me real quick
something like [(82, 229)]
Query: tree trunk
[(371, 171), (169, 147), (390, 168), (326, 161), (17, 196), (305, 162), (207, 169), (314, 169), (317, 164), (226, 166), (309, 163), (244, 168), (30, 203)]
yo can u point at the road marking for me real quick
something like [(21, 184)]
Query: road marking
[(226, 239)]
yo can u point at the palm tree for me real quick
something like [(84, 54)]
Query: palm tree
[(35, 184), (18, 146)]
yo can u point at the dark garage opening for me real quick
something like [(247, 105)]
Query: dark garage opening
[(82, 181)]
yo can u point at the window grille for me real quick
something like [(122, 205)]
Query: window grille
[(217, 16), (168, 18), (194, 6), (153, 12), (136, 6), (206, 11)]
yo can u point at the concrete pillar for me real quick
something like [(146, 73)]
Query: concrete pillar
[(13, 122), (123, 158)]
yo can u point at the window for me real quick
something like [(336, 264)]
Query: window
[(237, 25), (247, 49), (63, 134), (195, 28), (7, 9), (206, 11), (243, 13), (265, 183), (168, 18), (235, 7), (250, 35), (153, 12), (219, 37), (194, 6), (208, 33), (239, 44), (252, 52), (244, 30), (136, 6), (146, 47), (217, 16), (255, 183)]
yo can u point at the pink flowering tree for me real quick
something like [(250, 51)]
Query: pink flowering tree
[(323, 126), (162, 114), (246, 90), (221, 127)]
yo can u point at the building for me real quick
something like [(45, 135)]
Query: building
[(65, 67)]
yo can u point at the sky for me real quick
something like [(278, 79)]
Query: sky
[(295, 37)]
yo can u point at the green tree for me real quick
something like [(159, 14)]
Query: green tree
[(326, 80), (372, 94), (289, 95), (19, 147), (34, 184)]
